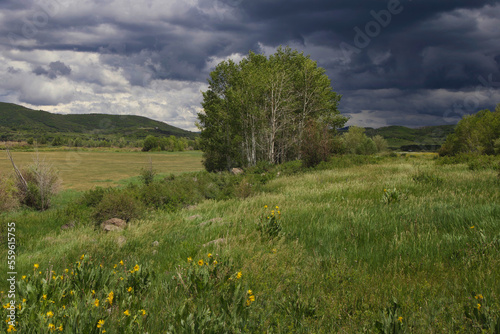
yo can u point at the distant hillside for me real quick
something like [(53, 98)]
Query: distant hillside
[(428, 138), (15, 119)]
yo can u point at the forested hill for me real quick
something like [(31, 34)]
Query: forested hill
[(16, 118), (428, 138)]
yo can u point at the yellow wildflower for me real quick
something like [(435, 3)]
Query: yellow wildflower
[(115, 266), (400, 319), (36, 266), (265, 206), (252, 298), (23, 277), (129, 289), (50, 314), (93, 292), (60, 328), (472, 226), (96, 303), (190, 259), (479, 297), (209, 254), (478, 306), (143, 312), (82, 257), (127, 313), (249, 292), (7, 305), (200, 263), (11, 329), (44, 297), (100, 323), (121, 262), (136, 267), (238, 276), (52, 327), (110, 298), (215, 262)]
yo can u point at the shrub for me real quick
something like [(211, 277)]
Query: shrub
[(38, 184), (118, 204), (148, 173), (93, 196)]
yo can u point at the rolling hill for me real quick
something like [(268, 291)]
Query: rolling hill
[(16, 120)]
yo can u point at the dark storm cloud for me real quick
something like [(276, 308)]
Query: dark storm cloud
[(414, 58), (54, 70)]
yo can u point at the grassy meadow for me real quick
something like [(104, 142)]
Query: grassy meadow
[(84, 169), (391, 245)]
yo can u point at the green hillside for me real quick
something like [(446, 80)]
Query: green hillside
[(400, 137), (17, 122)]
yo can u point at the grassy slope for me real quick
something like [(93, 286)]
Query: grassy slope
[(346, 253), (30, 121)]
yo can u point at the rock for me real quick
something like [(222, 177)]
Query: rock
[(215, 242), (156, 243), (113, 224), (236, 171), (194, 217), (68, 226)]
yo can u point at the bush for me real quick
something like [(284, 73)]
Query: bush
[(118, 204), (93, 196), (148, 173), (8, 194), (39, 183)]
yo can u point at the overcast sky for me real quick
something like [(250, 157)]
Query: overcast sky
[(408, 62)]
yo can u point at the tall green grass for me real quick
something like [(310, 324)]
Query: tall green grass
[(344, 259)]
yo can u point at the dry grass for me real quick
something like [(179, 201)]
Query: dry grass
[(81, 170)]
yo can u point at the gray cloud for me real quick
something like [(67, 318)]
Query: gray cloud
[(411, 67), (54, 70)]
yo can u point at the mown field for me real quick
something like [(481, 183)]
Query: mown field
[(82, 170), (388, 244)]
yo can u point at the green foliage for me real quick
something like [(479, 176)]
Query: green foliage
[(481, 315), (391, 320), (258, 109), (94, 196), (392, 196), (148, 173), (270, 223), (380, 143), (87, 297), (356, 142), (366, 147), (118, 204), (475, 134), (316, 145)]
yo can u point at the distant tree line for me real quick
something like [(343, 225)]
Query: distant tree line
[(475, 134), (150, 143)]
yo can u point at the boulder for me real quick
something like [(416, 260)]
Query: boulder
[(236, 171), (114, 224)]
